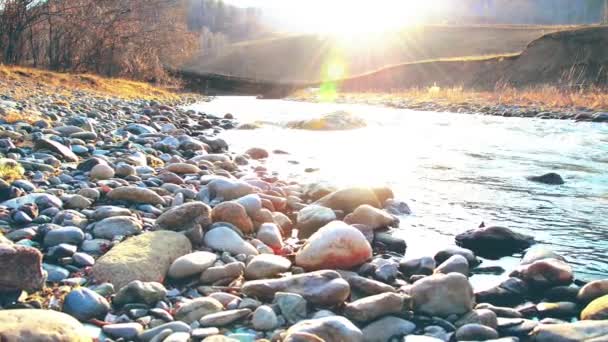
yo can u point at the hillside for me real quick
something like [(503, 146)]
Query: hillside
[(566, 58), (303, 58)]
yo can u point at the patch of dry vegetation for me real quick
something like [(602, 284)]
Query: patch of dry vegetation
[(21, 81), (10, 170), (542, 97)]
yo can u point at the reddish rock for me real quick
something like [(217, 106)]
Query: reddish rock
[(20, 268)]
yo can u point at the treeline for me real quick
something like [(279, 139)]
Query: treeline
[(219, 24), (533, 12), (127, 38)]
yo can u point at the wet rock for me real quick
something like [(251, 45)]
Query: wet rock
[(225, 273), (112, 227), (319, 288), (548, 178), (442, 295), (386, 328), (558, 309), (347, 200), (479, 316), (537, 253), (234, 213), (371, 217), (102, 172), (336, 121), (266, 266), (494, 242), (191, 264), (396, 207), (257, 153), (140, 292), (197, 308), (292, 306), (40, 325), (328, 329), (450, 251), (545, 273), (140, 258), (85, 304), (579, 331), (42, 200), (475, 332), (223, 318), (225, 239), (264, 318), (510, 292), (311, 218), (136, 195), (28, 275), (596, 310), (456, 263), (127, 331), (372, 307), (422, 266), (593, 290), (335, 246)]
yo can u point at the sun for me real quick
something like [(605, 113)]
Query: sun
[(354, 17)]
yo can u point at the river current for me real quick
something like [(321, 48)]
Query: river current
[(454, 170)]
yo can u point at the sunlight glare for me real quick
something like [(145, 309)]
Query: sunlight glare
[(345, 17)]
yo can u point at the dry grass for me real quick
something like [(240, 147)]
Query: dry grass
[(546, 97), (10, 170), (20, 80)]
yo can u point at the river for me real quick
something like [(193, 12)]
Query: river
[(454, 171)]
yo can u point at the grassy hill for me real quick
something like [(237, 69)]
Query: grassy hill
[(303, 58)]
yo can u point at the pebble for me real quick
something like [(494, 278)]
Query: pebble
[(85, 304), (264, 318)]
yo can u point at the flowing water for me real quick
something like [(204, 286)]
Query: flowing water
[(454, 170)]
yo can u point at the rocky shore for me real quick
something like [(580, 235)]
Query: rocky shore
[(576, 114), (132, 221)]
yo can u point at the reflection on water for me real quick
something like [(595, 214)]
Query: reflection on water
[(454, 170)]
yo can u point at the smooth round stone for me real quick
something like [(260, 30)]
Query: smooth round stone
[(370, 217), (102, 172), (177, 337), (55, 273), (455, 263), (106, 211), (252, 204), (124, 170), (335, 246), (85, 304), (69, 235), (270, 234), (266, 266), (225, 239), (128, 331), (385, 328), (140, 292), (293, 306), (191, 264), (234, 213), (197, 308), (593, 290), (83, 259), (223, 318), (332, 328), (149, 334), (475, 332), (96, 246), (112, 227), (264, 318), (77, 202), (442, 295), (313, 217)]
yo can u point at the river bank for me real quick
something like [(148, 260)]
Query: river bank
[(541, 103), (130, 219)]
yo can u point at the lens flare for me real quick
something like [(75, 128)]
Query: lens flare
[(333, 72)]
